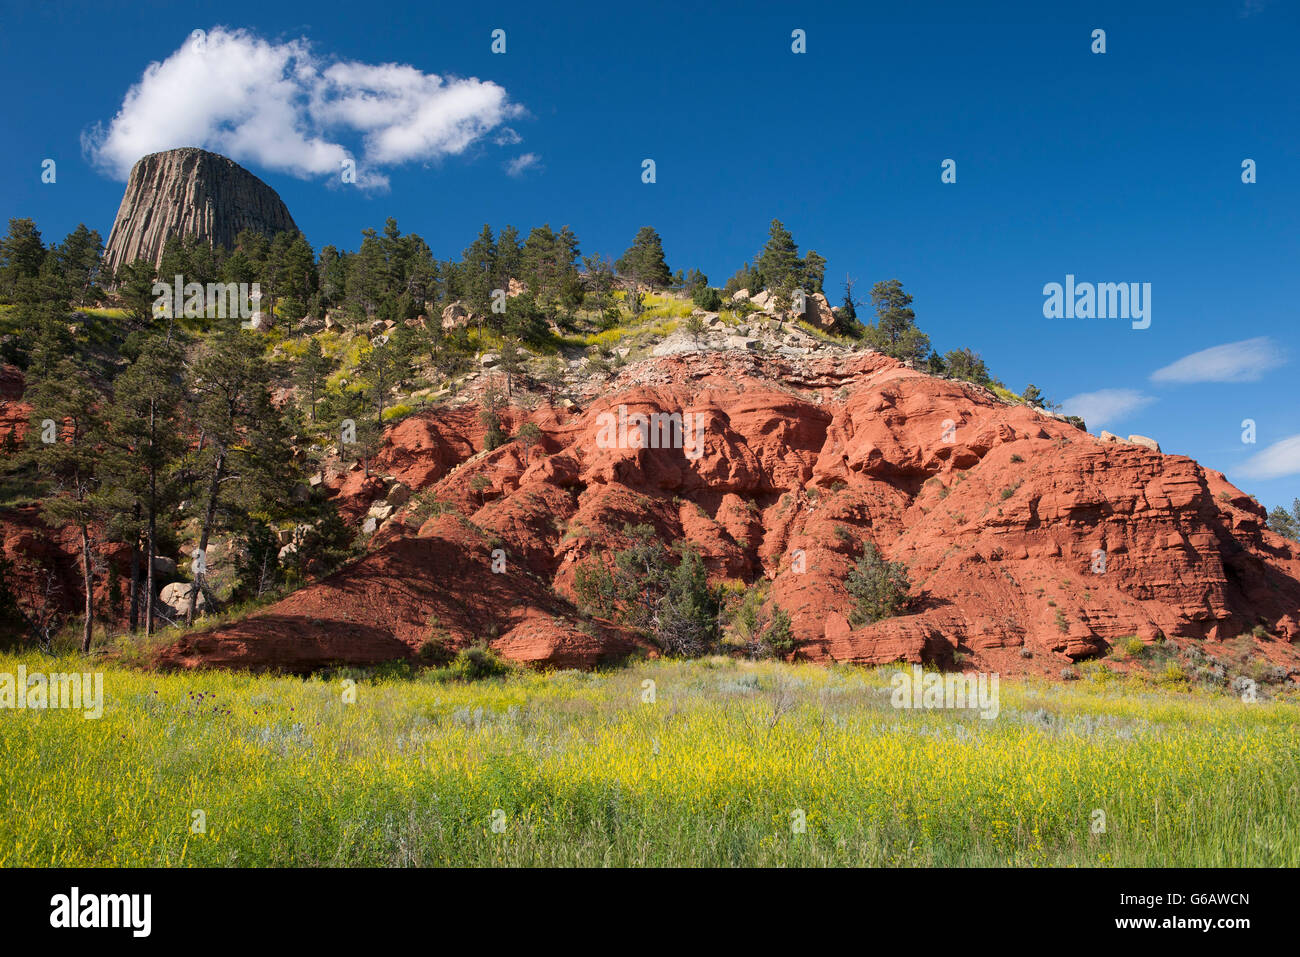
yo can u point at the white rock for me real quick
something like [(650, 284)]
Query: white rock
[(1146, 443), (176, 596)]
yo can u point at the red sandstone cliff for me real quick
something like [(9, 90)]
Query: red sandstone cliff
[(998, 510)]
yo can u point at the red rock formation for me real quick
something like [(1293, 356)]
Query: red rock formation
[(1003, 515)]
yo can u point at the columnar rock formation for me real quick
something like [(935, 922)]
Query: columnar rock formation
[(190, 192)]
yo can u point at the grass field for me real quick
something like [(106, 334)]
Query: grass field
[(575, 768)]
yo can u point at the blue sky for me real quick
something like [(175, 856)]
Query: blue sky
[(1115, 167)]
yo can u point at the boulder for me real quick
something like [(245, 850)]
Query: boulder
[(818, 311), (176, 597), (455, 315), (397, 495), (1146, 443)]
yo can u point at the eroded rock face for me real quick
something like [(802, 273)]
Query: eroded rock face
[(1029, 542), (190, 192)]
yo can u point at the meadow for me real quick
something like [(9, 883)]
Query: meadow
[(712, 762)]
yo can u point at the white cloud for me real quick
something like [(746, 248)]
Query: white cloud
[(1244, 361), (282, 107), (1106, 405), (520, 164), (1279, 459)]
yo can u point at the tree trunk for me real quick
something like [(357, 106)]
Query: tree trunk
[(217, 472), (151, 533), (88, 582), (151, 549), (135, 576)]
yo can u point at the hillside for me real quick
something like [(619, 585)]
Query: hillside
[(997, 510), (401, 458)]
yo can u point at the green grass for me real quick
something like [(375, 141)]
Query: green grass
[(583, 771)]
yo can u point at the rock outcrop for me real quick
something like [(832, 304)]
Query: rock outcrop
[(190, 192), (1030, 544)]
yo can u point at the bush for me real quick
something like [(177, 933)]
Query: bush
[(478, 662), (593, 584), (674, 605), (436, 650), (765, 635), (879, 588), (1131, 646), (707, 298)]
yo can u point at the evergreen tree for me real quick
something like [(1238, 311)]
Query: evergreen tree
[(779, 262), (550, 270), (879, 588), (78, 259), (229, 382), (310, 375), (849, 308), (966, 364), (71, 462), (147, 437), (814, 272), (644, 260), (894, 332), (22, 252), (1284, 523)]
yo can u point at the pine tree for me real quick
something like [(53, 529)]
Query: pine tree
[(779, 262), (644, 260), (147, 437), (229, 382), (22, 253), (310, 374), (967, 364), (894, 332), (71, 462), (814, 272), (78, 259)]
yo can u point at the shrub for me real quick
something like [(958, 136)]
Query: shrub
[(707, 298), (593, 584), (436, 650), (673, 604), (879, 588), (1131, 646), (478, 662), (1173, 673)]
